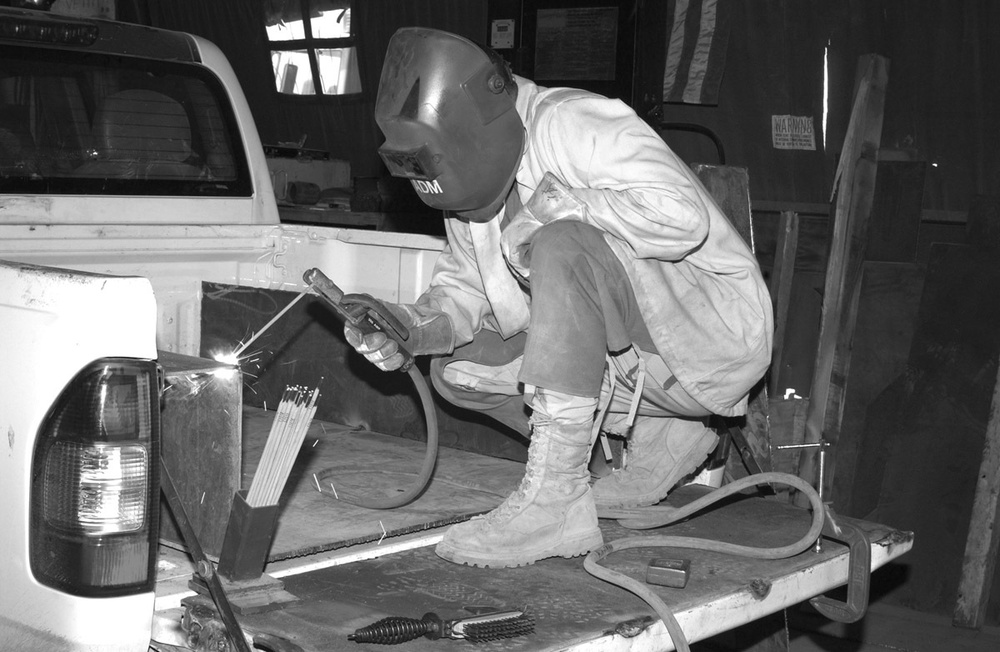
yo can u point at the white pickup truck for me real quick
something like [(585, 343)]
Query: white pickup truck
[(128, 155), (132, 177)]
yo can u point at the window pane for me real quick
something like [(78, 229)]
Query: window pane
[(292, 74), (327, 18), (331, 23), (338, 71), (286, 31), (114, 125)]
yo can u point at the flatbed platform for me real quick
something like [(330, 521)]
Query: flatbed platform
[(349, 567)]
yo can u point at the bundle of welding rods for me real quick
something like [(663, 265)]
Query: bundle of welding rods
[(288, 430)]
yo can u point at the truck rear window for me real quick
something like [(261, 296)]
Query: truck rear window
[(82, 123)]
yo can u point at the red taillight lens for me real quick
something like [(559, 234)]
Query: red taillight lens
[(94, 497)]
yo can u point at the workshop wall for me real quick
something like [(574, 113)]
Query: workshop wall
[(937, 106), (942, 61)]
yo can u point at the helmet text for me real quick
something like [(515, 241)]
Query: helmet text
[(427, 187)]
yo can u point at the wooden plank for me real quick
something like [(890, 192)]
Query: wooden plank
[(979, 561), (887, 318), (980, 558), (805, 208), (894, 231), (854, 187), (781, 288), (730, 188)]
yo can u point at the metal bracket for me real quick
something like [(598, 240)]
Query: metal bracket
[(858, 574)]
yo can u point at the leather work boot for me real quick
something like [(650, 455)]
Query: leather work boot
[(551, 514), (661, 451)]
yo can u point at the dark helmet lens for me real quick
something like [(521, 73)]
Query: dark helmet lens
[(413, 164)]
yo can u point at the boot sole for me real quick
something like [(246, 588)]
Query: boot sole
[(701, 448), (567, 549)]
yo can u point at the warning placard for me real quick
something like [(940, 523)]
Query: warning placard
[(792, 132)]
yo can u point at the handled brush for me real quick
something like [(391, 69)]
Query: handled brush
[(477, 629)]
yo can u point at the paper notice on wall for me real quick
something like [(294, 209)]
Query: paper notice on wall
[(792, 132), (576, 44)]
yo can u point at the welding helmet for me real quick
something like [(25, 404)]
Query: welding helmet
[(446, 107)]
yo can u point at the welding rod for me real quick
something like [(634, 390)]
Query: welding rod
[(291, 303)]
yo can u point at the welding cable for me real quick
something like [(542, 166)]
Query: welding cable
[(653, 517), (430, 455)]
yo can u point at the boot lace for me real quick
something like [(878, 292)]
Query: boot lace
[(514, 502)]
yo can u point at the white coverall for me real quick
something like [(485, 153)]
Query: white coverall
[(697, 284)]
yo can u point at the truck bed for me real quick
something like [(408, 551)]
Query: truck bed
[(346, 567)]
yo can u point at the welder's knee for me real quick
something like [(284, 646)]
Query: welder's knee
[(561, 244)]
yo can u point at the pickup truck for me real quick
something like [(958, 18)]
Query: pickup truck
[(138, 225)]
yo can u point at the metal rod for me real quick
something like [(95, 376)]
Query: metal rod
[(819, 490), (786, 447), (291, 303), (203, 564)]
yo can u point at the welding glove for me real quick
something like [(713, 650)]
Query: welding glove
[(430, 331), (551, 201)]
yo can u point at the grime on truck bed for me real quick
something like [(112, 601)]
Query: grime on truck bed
[(343, 567)]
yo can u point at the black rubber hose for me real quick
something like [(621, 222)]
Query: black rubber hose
[(651, 517), (430, 456)]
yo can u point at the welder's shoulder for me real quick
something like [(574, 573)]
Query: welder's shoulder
[(571, 125), (567, 100)]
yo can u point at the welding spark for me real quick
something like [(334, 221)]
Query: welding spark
[(234, 358), (229, 358)]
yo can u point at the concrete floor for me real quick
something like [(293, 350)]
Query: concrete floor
[(887, 627)]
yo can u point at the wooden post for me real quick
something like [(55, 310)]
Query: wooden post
[(854, 187), (781, 288), (979, 561), (730, 188)]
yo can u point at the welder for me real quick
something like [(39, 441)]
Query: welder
[(590, 284)]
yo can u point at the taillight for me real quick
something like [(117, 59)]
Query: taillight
[(95, 485)]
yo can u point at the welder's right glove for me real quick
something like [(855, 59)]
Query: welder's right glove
[(430, 330)]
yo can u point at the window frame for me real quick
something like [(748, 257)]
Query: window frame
[(311, 45)]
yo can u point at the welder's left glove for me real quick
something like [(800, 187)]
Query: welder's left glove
[(551, 201), (431, 331)]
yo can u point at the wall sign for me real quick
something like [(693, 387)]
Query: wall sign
[(792, 132)]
